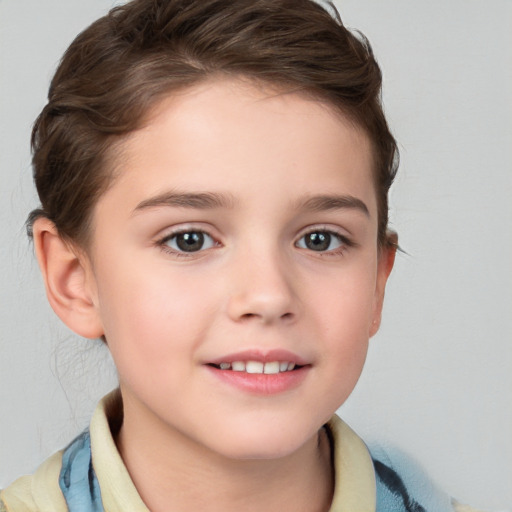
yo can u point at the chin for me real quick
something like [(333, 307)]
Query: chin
[(264, 444)]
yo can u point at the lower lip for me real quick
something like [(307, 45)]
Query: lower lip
[(261, 383)]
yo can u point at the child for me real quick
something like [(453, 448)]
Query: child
[(213, 178)]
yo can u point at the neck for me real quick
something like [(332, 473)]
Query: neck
[(168, 467)]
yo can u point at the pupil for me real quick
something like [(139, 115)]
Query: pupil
[(190, 242), (318, 241)]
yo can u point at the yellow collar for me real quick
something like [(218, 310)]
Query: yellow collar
[(354, 474)]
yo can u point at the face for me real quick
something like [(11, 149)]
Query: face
[(235, 269)]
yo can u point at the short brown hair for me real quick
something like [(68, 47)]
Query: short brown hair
[(118, 68)]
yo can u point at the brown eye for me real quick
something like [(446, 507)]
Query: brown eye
[(321, 241), (190, 241), (318, 241)]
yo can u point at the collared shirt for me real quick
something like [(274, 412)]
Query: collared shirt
[(90, 476)]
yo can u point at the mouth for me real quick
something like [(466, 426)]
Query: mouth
[(264, 378), (260, 372), (258, 367)]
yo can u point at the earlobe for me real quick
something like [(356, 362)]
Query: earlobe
[(384, 268), (68, 280)]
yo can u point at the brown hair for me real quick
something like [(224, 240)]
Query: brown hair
[(118, 68)]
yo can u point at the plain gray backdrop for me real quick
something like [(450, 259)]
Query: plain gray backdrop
[(438, 380)]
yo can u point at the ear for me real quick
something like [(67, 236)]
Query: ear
[(384, 267), (68, 279)]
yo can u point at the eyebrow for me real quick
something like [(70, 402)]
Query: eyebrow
[(322, 203), (212, 200), (201, 201)]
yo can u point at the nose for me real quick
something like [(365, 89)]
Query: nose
[(262, 289)]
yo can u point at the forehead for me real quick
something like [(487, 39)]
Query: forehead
[(242, 136)]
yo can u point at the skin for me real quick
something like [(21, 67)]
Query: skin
[(189, 437)]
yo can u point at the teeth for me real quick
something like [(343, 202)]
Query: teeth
[(254, 367), (270, 368), (238, 366)]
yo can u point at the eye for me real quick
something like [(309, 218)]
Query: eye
[(322, 241), (189, 241)]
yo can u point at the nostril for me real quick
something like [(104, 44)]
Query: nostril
[(265, 318)]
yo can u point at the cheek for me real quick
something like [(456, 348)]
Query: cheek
[(343, 316), (344, 300), (153, 315)]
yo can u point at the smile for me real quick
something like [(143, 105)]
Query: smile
[(255, 367), (264, 378)]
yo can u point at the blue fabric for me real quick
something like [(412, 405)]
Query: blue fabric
[(78, 481), (402, 486)]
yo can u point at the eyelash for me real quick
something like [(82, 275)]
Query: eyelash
[(163, 242), (344, 242)]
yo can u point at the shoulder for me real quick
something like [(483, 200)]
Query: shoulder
[(402, 484), (381, 478), (66, 481), (38, 492)]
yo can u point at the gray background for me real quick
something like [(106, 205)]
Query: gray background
[(438, 380)]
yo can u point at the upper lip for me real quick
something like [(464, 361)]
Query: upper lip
[(265, 356)]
